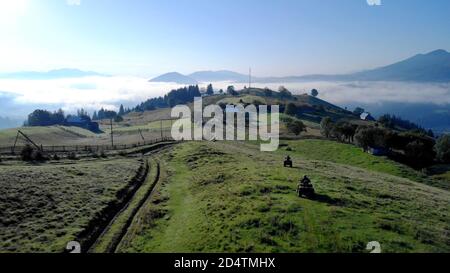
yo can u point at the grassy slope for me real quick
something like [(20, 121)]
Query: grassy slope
[(154, 125), (226, 197), (69, 136), (350, 155), (42, 207), (127, 132), (51, 135)]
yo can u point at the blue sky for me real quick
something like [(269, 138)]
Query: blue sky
[(275, 37)]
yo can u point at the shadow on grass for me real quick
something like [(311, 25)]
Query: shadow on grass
[(322, 198)]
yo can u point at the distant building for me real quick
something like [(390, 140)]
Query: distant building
[(367, 117), (377, 151), (82, 122)]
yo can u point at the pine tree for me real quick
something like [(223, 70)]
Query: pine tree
[(210, 90), (121, 110)]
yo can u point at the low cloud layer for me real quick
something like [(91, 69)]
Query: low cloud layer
[(109, 92), (376, 92), (88, 92)]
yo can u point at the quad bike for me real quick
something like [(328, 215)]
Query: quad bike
[(305, 188), (288, 162)]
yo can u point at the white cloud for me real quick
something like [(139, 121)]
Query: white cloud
[(366, 92), (109, 92), (73, 2), (88, 92)]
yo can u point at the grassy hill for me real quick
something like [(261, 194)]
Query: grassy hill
[(227, 197), (331, 151), (224, 196), (148, 123)]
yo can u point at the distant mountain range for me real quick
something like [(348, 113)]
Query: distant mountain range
[(174, 77), (430, 67), (49, 75)]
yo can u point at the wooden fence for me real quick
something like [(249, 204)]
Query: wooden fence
[(84, 148)]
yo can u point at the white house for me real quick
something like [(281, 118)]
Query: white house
[(367, 117)]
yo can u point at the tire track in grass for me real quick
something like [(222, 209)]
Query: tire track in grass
[(117, 228), (113, 233), (138, 207), (96, 227)]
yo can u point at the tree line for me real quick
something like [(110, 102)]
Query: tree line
[(392, 121), (177, 96), (415, 148), (41, 117), (400, 139)]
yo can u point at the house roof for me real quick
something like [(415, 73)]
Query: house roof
[(366, 116), (75, 119)]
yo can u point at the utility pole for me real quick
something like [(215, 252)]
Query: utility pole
[(249, 78), (112, 134), (142, 136)]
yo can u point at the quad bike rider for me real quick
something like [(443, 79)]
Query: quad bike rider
[(305, 188), (288, 162)]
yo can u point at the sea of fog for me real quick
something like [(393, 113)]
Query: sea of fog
[(427, 104)]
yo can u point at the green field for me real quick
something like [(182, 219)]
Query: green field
[(42, 207), (229, 197), (52, 135), (219, 196), (332, 151)]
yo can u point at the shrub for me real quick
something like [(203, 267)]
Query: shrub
[(326, 125), (38, 156), (344, 131), (296, 127), (118, 119), (72, 156), (291, 109), (442, 148), (370, 137), (27, 153)]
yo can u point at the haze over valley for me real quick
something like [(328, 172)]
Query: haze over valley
[(389, 90)]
